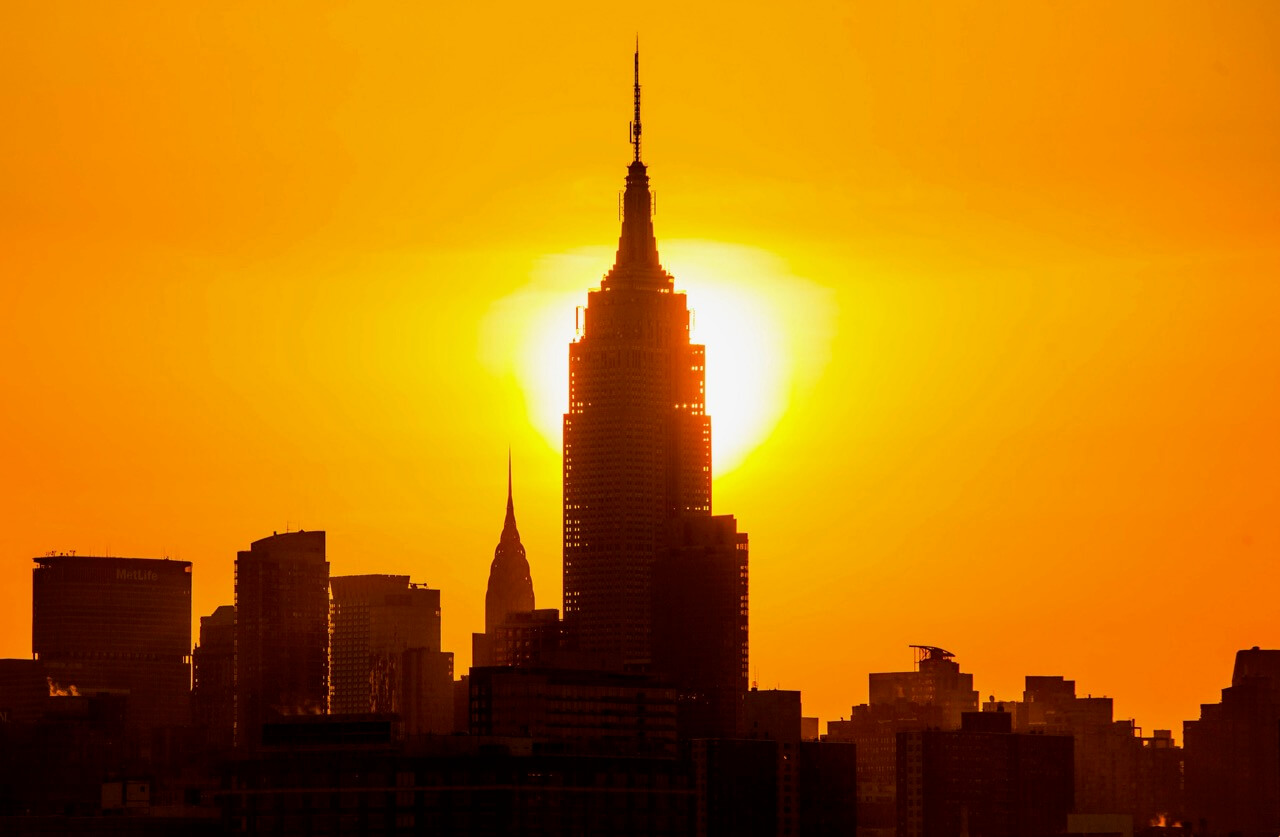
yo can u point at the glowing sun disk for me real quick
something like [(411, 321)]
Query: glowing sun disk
[(758, 324)]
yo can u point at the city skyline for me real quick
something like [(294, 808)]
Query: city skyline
[(1102, 451)]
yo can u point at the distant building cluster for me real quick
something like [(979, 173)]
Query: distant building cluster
[(324, 705)]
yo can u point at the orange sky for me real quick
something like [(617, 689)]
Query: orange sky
[(259, 264)]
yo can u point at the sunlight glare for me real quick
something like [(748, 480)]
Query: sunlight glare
[(767, 335)]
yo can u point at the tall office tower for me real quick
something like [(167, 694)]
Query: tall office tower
[(117, 625), (1233, 752), (700, 623), (214, 682), (510, 586), (637, 440), (376, 618), (282, 631)]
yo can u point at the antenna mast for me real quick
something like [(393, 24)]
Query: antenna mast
[(635, 125)]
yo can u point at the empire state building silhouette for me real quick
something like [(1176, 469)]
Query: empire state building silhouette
[(644, 560)]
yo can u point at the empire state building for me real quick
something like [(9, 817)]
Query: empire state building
[(637, 452)]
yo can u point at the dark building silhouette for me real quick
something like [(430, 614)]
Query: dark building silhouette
[(374, 619), (1161, 787), (426, 693), (529, 639), (937, 681), (1117, 771), (933, 696), (637, 439), (700, 622), (737, 783), (1233, 752), (349, 775), (774, 715), (983, 779), (213, 690), (282, 631), (24, 692), (575, 710), (771, 782), (117, 625), (54, 765), (510, 589), (828, 778)]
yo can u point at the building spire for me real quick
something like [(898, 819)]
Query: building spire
[(635, 124), (510, 522), (637, 264), (510, 588)]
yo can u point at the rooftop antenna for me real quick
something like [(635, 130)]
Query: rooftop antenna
[(635, 125)]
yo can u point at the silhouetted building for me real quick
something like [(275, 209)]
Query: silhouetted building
[(934, 696), (700, 622), (1117, 771), (118, 625), (937, 681), (510, 589), (528, 639), (282, 631), (427, 693), (375, 619), (737, 783), (637, 440), (1233, 752), (24, 692), (55, 766), (774, 715), (213, 691), (983, 779), (575, 710), (1161, 795), (771, 782), (357, 780), (828, 778), (462, 703)]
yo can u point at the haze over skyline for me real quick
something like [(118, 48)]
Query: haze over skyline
[(265, 268)]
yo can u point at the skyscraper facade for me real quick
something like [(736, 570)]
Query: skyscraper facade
[(282, 631), (214, 680), (700, 622), (637, 439), (117, 625), (375, 619)]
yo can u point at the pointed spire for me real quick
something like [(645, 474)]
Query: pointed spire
[(510, 522), (635, 125), (510, 588), (637, 264)]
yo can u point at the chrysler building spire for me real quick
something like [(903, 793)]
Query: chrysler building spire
[(510, 587)]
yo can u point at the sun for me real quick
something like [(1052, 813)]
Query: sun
[(767, 334)]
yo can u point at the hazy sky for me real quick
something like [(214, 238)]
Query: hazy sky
[(989, 292)]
